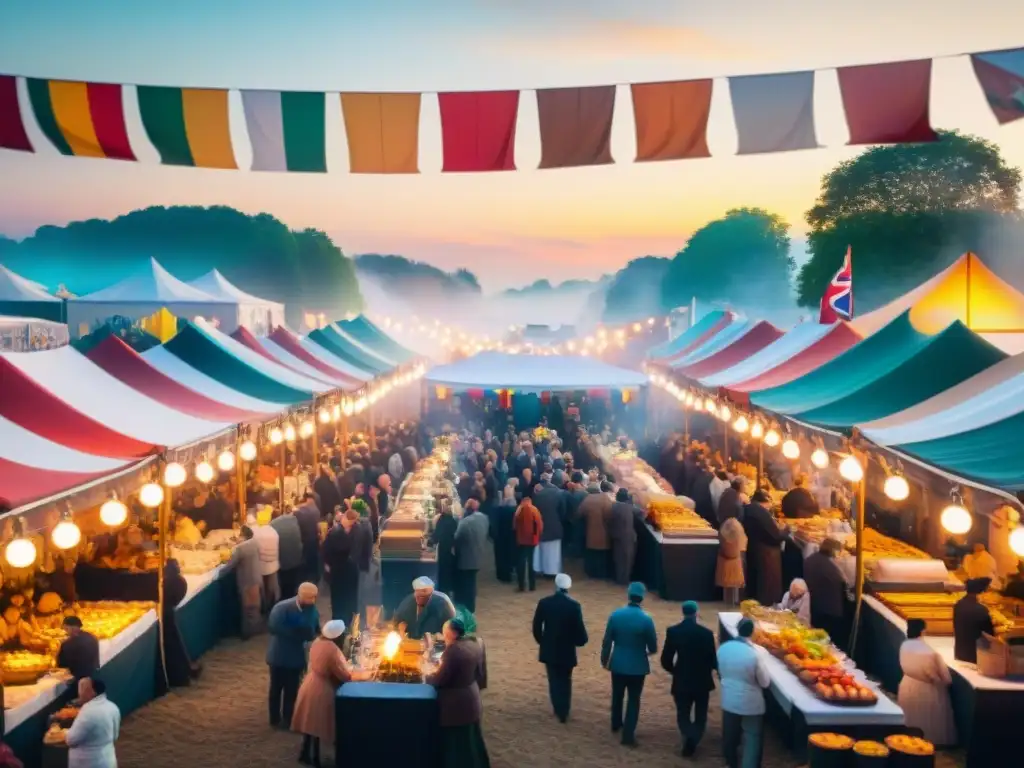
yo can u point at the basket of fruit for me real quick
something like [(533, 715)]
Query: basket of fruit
[(828, 750), (907, 751), (870, 754)]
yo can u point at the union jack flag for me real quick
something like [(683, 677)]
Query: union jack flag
[(837, 303)]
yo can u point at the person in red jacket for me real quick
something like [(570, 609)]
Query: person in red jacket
[(528, 525)]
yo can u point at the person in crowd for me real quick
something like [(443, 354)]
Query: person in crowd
[(245, 561), (314, 705), (744, 676), (576, 530), (828, 590), (292, 624), (80, 653), (551, 502), (269, 545), (622, 536), (971, 619), (443, 538), (689, 656), (470, 551), (459, 680), (384, 495), (290, 558), (492, 492), (701, 493), (361, 554), (980, 564), (425, 611), (396, 468), (797, 600), (91, 737), (342, 569), (595, 512), (528, 525), (629, 639), (326, 489), (730, 568), (731, 502), (308, 517), (798, 501), (503, 535), (719, 482), (559, 630), (765, 542), (1014, 586), (526, 484), (924, 689), (179, 666)]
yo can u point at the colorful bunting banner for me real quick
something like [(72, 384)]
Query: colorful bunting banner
[(12, 127), (671, 119), (774, 113), (888, 103), (576, 126), (478, 131), (188, 126), (81, 119), (287, 130), (1001, 77), (383, 131)]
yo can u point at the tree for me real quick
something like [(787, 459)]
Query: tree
[(731, 258), (906, 210), (407, 278), (635, 291)]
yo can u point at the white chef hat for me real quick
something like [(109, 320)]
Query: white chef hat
[(332, 630), (563, 581), (422, 582)]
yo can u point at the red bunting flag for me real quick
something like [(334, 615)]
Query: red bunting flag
[(12, 129), (888, 103), (1001, 77), (478, 131)]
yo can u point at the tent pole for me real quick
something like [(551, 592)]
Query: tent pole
[(859, 586), (316, 441), (240, 475), (760, 462), (163, 520), (283, 458), (370, 428), (344, 440)]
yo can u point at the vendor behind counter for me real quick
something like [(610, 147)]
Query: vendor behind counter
[(424, 611)]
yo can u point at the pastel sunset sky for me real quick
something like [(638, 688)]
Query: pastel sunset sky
[(509, 228)]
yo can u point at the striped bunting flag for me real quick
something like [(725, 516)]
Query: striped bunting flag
[(12, 129), (81, 119), (188, 126), (287, 130)]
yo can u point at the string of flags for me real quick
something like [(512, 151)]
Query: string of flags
[(885, 103)]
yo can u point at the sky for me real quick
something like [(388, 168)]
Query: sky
[(508, 228)]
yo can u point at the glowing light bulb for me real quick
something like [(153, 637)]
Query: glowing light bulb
[(336, 413), (174, 475), (896, 487), (113, 512), (741, 424), (1017, 541), (324, 415), (757, 430), (819, 458), (771, 439), (851, 470), (289, 433), (20, 553), (65, 535), (306, 430), (225, 461), (724, 413), (709, 405), (791, 449), (204, 472), (247, 450), (276, 436), (956, 519), (347, 408)]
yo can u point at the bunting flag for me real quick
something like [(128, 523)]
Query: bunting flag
[(287, 130), (576, 126), (1001, 77), (671, 119), (12, 129), (837, 302), (81, 119), (478, 131), (774, 113), (888, 103), (188, 126), (383, 131)]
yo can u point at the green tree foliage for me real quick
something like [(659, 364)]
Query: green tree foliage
[(405, 277), (635, 291), (735, 258), (907, 211), (303, 269)]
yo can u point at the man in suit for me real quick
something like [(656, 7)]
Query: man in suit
[(551, 502), (470, 545), (689, 656), (629, 638), (559, 630)]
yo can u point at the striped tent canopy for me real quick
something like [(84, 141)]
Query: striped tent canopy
[(692, 337), (766, 358), (757, 336), (300, 363), (336, 342), (894, 369), (715, 342), (315, 355), (363, 330)]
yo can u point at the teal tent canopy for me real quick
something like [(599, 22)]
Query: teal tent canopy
[(340, 347), (696, 334), (363, 330)]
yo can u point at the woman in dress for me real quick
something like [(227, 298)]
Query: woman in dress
[(924, 690), (314, 707), (732, 549), (458, 682)]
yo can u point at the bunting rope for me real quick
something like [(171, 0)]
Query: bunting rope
[(884, 103)]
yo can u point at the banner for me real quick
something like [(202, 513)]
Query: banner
[(671, 120), (287, 130), (888, 103), (81, 119), (383, 131), (188, 126)]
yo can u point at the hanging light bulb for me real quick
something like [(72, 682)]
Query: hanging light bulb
[(174, 475), (347, 407), (66, 534), (247, 450), (819, 458), (757, 430), (336, 413), (698, 405), (741, 424), (956, 519), (1017, 541), (771, 439), (896, 487), (113, 512), (324, 415), (709, 405), (689, 398), (20, 552), (289, 433), (791, 449), (306, 430), (204, 472), (225, 461), (724, 413), (851, 470)]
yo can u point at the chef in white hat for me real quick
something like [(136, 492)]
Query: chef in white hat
[(425, 611), (559, 630)]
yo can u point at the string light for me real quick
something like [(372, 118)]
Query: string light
[(66, 534), (225, 461), (204, 472), (1017, 541), (306, 430), (896, 487), (336, 413), (113, 512), (247, 450), (724, 413), (174, 475), (851, 470), (347, 407), (819, 458), (757, 430), (791, 449), (956, 519), (20, 552), (324, 415)]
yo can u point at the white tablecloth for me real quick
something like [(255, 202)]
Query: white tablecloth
[(944, 645), (662, 539), (23, 701), (789, 692), (197, 582)]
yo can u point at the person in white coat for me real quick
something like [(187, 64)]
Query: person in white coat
[(924, 690), (268, 542), (91, 737)]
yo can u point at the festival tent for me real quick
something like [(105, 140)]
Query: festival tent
[(194, 398), (363, 330), (316, 356), (23, 298), (713, 343), (533, 373), (757, 336), (335, 342), (62, 397), (140, 295), (278, 356), (372, 354), (967, 291), (783, 348), (692, 337), (896, 368), (256, 314)]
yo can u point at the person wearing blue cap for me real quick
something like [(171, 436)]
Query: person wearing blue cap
[(689, 656), (629, 639)]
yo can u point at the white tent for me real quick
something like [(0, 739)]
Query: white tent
[(144, 293), (258, 315), (21, 297), (533, 373)]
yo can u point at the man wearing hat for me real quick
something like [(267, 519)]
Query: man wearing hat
[(689, 656), (559, 630), (629, 638), (424, 611)]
